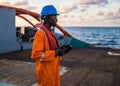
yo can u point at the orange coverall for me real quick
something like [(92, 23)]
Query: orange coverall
[(47, 64)]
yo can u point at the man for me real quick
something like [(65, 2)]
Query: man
[(46, 50)]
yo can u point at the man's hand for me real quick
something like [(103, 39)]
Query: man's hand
[(63, 50), (60, 51)]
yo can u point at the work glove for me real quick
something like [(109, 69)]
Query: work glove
[(60, 51), (63, 50), (68, 48)]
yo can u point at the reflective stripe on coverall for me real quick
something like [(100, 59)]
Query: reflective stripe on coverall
[(47, 64)]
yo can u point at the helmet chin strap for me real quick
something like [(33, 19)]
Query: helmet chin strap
[(43, 19), (53, 29)]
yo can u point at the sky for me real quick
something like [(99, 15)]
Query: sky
[(74, 12)]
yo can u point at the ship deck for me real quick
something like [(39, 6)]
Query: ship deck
[(88, 67)]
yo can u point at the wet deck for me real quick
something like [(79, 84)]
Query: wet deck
[(89, 67)]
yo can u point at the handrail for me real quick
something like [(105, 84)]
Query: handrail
[(20, 11)]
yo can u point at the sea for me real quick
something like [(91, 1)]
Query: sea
[(98, 36)]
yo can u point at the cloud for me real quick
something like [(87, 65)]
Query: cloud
[(109, 15), (99, 13), (4, 3), (119, 10), (31, 7), (21, 3), (84, 8), (117, 14), (113, 15), (86, 4), (67, 9), (24, 4), (93, 2)]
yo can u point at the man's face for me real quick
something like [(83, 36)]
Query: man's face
[(52, 20)]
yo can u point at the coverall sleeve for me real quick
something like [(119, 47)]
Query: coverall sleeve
[(38, 50)]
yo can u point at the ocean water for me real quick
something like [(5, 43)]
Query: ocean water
[(99, 36)]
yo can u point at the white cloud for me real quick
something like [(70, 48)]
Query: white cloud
[(99, 13), (25, 5), (4, 3), (31, 7), (119, 10), (21, 3), (84, 8), (68, 8), (93, 2), (113, 15), (76, 12)]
